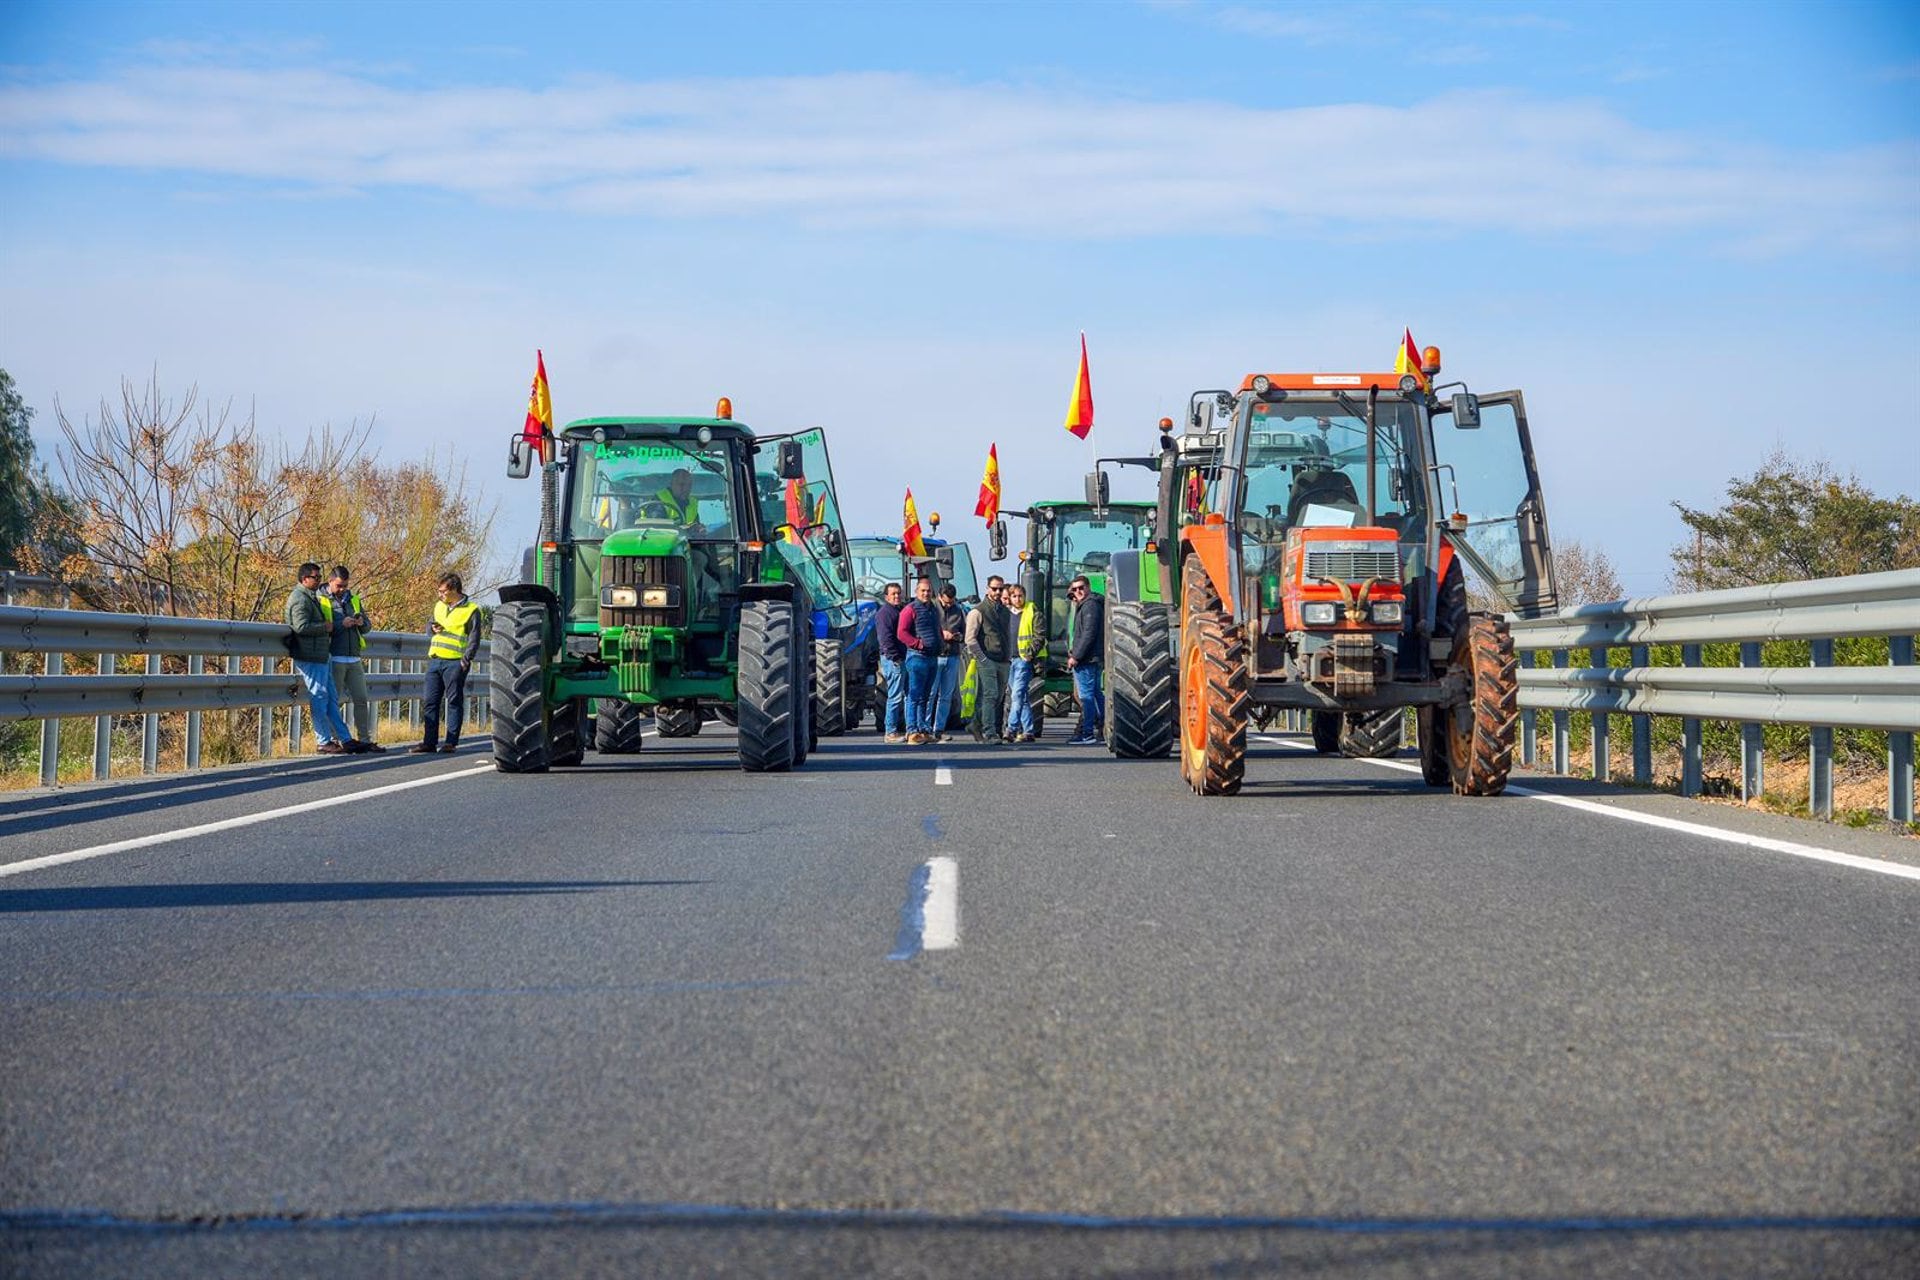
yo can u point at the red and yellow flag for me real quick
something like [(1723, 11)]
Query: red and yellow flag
[(910, 536), (1080, 409), (820, 507), (989, 504), (1407, 360), (796, 510), (538, 432)]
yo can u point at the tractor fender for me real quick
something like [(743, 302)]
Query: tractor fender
[(1209, 542), (535, 593), (1123, 577)]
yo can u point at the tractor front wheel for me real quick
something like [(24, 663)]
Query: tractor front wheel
[(676, 722), (1213, 704), (831, 716), (617, 728), (1480, 733), (517, 687), (769, 690), (1326, 732), (1430, 724), (1373, 734), (1140, 682)]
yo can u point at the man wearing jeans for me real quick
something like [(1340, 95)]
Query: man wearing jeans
[(1029, 646), (893, 663), (456, 640), (919, 632), (1086, 635), (309, 616)]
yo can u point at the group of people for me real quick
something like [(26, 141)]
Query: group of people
[(926, 643), (329, 635)]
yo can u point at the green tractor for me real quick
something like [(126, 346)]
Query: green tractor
[(682, 567)]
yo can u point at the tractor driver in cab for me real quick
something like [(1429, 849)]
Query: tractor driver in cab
[(675, 502)]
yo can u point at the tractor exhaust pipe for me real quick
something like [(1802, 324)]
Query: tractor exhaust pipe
[(1373, 399)]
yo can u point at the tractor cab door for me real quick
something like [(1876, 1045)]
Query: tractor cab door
[(801, 519), (1489, 470)]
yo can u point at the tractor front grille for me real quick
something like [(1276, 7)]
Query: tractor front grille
[(644, 571), (1354, 566)]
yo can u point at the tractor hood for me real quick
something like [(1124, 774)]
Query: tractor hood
[(660, 541)]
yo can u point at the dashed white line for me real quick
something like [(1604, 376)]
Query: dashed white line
[(229, 824), (941, 928), (942, 776)]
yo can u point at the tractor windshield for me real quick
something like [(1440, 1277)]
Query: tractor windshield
[(627, 484), (1306, 464), (1084, 540), (877, 562)]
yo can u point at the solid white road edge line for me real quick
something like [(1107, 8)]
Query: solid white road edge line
[(1814, 852), (942, 776), (229, 824), (941, 930)]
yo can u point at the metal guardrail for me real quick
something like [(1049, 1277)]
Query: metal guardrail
[(396, 662), (1822, 696)]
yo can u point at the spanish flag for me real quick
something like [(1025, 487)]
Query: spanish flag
[(989, 504), (1080, 409), (796, 510), (910, 537), (538, 431), (1408, 360), (820, 507)]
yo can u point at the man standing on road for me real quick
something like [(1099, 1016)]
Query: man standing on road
[(893, 663), (350, 628), (989, 645), (456, 639), (1086, 637), (919, 633), (1029, 647), (308, 614), (953, 631)]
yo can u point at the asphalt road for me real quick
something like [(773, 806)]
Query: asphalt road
[(656, 1016)]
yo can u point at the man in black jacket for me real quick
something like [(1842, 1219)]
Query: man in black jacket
[(1086, 647), (893, 664)]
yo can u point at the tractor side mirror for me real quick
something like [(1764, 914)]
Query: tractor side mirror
[(519, 459), (1466, 411), (997, 540), (833, 542), (1097, 490), (791, 463)]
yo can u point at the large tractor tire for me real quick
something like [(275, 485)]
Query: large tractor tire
[(1140, 683), (1480, 734), (831, 715), (1373, 734), (770, 696), (1435, 768), (806, 731), (727, 716), (1197, 596), (617, 728), (567, 733), (1059, 704), (1326, 732), (676, 722), (517, 687), (1213, 703)]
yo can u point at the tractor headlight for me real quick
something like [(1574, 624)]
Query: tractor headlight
[(1322, 613), (658, 598), (1387, 611), (620, 597)]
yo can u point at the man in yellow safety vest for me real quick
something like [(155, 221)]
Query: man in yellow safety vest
[(456, 640), (1029, 651)]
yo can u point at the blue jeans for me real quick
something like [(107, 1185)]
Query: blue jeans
[(946, 684), (446, 678), (1019, 710), (921, 672), (894, 676), (1093, 702), (317, 679)]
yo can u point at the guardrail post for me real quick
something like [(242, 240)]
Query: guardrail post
[(1820, 752), (150, 732), (266, 714), (294, 717), (1900, 745), (50, 731), (1561, 722), (195, 666), (414, 667), (1602, 745), (1690, 784), (1528, 730), (103, 730), (1753, 762), (1641, 655)]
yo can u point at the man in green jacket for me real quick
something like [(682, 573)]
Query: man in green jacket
[(310, 616)]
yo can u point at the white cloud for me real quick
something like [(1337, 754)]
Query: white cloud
[(883, 150)]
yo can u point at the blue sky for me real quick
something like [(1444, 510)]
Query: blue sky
[(1668, 223)]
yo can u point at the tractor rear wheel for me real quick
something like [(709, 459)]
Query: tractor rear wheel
[(1481, 732), (1059, 704), (617, 728), (1213, 703), (727, 716), (768, 685), (831, 716), (806, 730), (567, 733), (1140, 680), (517, 687), (1430, 724), (676, 722), (1326, 732), (1373, 734)]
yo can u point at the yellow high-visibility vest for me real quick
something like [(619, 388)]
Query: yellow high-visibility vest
[(451, 640), (1030, 626), (353, 606)]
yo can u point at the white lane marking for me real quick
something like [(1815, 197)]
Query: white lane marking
[(229, 824), (942, 776), (940, 930), (1768, 843)]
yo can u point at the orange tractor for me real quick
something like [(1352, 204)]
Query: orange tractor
[(1313, 535)]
